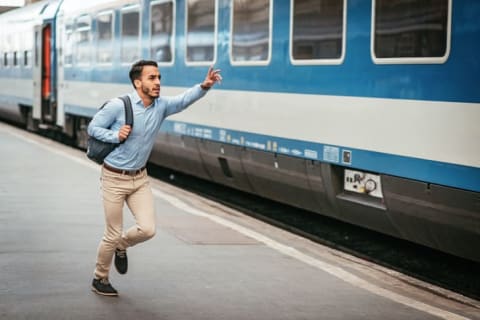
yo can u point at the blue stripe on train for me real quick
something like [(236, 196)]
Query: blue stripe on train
[(448, 174), (429, 171)]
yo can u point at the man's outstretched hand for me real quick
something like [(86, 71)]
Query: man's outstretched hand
[(213, 76)]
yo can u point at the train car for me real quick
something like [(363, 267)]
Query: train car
[(27, 66), (363, 110)]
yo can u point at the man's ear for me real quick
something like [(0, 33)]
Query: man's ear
[(137, 83)]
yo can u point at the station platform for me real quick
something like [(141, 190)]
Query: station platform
[(206, 261)]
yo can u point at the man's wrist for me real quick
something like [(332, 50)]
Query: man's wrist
[(204, 87)]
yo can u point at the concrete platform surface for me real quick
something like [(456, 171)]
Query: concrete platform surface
[(206, 261)]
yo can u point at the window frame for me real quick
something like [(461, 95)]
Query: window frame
[(270, 42), (215, 39), (124, 10), (110, 12), (328, 61), (174, 24), (411, 60), (68, 42), (76, 32)]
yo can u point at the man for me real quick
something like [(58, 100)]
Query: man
[(124, 178)]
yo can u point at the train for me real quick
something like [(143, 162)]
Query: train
[(365, 111)]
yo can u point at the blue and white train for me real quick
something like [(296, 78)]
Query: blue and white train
[(367, 111)]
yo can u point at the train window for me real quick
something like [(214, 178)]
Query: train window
[(251, 32), (68, 44), (161, 31), (82, 40), (26, 58), (15, 59), (317, 31), (130, 37), (406, 31), (104, 37), (201, 32)]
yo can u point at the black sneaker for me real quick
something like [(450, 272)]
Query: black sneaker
[(121, 261), (103, 287)]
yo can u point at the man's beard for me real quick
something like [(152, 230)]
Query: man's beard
[(149, 93)]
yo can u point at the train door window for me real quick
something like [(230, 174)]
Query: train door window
[(36, 46), (411, 31), (130, 34), (83, 40), (201, 31), (317, 31), (161, 31), (104, 35), (68, 44), (251, 26)]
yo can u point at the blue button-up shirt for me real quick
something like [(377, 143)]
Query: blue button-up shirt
[(134, 152)]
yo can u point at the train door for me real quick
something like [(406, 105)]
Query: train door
[(37, 74), (43, 107), (60, 71)]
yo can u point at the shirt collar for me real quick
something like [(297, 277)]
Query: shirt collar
[(136, 98), (138, 101)]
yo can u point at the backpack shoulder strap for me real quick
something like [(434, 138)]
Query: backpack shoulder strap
[(103, 105), (128, 110)]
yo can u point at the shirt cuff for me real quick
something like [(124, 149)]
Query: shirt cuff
[(204, 87), (116, 139)]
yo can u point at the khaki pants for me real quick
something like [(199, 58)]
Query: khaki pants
[(135, 191)]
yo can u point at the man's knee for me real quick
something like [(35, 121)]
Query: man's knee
[(147, 232)]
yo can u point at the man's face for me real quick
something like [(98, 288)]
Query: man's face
[(150, 82)]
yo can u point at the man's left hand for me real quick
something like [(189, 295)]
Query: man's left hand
[(213, 76)]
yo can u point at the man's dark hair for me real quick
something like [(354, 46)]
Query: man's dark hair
[(137, 68)]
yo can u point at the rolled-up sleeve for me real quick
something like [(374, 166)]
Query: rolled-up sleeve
[(103, 120), (178, 103)]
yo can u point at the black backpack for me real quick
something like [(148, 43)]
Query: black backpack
[(97, 150)]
